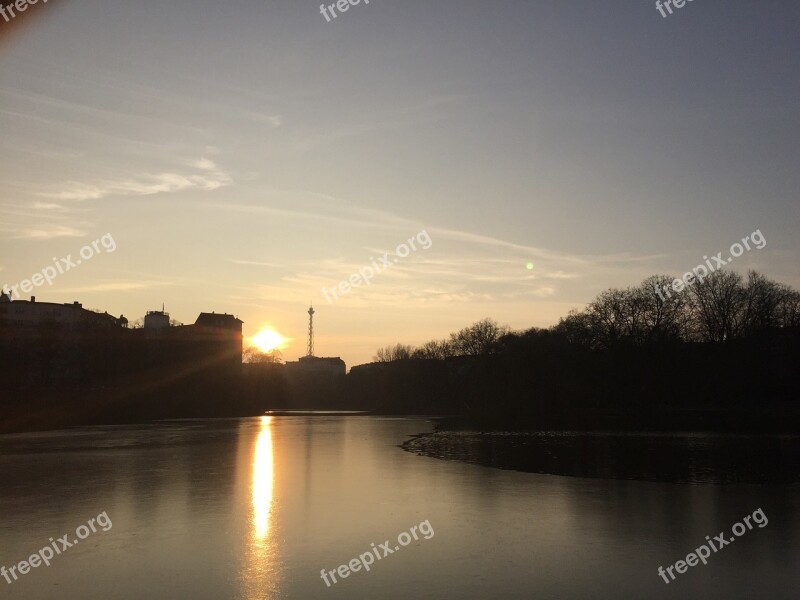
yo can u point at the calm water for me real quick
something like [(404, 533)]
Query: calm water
[(254, 508)]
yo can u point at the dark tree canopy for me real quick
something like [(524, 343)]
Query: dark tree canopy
[(723, 306)]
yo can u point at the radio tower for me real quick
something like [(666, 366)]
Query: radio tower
[(310, 331)]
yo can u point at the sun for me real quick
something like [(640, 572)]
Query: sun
[(268, 340)]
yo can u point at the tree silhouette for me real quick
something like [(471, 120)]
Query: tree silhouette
[(722, 306), (392, 353), (253, 356), (435, 349), (478, 339)]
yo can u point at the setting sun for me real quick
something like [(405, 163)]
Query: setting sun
[(268, 340)]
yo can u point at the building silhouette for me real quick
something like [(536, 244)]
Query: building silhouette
[(70, 360), (30, 313)]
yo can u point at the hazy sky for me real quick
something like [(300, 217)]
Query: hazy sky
[(244, 154)]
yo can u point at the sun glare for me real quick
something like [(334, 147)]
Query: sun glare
[(268, 340)]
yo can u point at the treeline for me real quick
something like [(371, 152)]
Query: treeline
[(482, 338), (723, 306), (720, 354)]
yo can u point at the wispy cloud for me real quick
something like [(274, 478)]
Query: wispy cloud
[(544, 292), (123, 285), (426, 110), (48, 231), (40, 221), (208, 177), (256, 263), (461, 266), (341, 214), (271, 120), (561, 275)]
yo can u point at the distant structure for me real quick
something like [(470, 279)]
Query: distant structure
[(310, 365), (156, 319), (61, 364), (217, 335), (310, 351), (307, 365), (23, 313), (210, 322), (83, 336)]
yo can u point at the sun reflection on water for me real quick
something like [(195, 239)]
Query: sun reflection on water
[(263, 481), (261, 569)]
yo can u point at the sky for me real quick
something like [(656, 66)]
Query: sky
[(244, 155)]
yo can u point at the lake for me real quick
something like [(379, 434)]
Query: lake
[(256, 508)]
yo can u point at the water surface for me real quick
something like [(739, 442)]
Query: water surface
[(254, 508)]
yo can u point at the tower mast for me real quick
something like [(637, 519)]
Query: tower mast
[(310, 331)]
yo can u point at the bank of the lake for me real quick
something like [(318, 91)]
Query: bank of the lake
[(677, 457)]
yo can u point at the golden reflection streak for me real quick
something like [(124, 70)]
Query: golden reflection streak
[(263, 481)]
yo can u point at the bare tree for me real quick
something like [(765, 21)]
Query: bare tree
[(761, 303), (663, 317), (789, 309), (392, 353), (478, 339), (635, 315), (613, 316), (616, 316), (434, 350), (253, 355), (576, 328), (717, 306)]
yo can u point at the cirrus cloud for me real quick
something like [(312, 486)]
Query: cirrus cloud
[(208, 177)]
